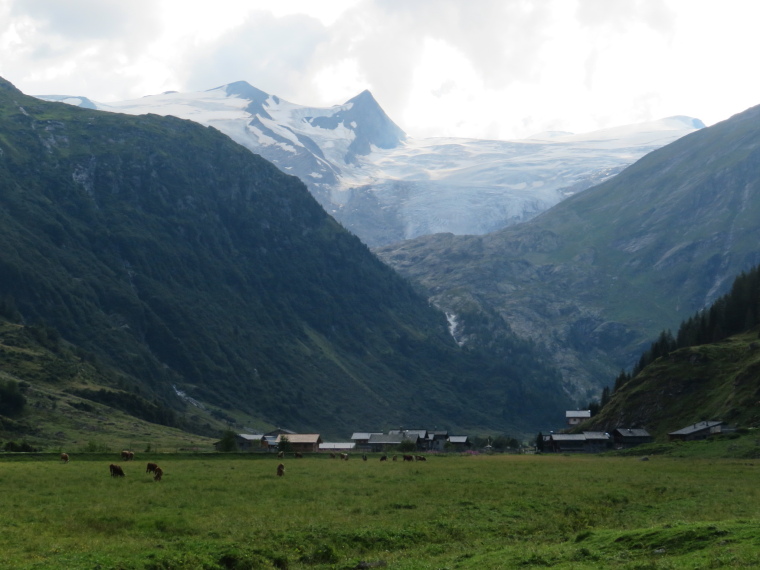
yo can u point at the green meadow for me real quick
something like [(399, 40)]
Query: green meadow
[(470, 512)]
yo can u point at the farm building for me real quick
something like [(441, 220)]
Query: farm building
[(386, 442), (586, 442), (574, 417), (459, 442), (248, 441), (361, 439), (301, 442), (699, 430), (630, 437)]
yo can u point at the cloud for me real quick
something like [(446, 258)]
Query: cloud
[(273, 54)]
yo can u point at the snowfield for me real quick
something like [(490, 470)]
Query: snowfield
[(385, 186)]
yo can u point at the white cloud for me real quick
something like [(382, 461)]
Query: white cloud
[(491, 68)]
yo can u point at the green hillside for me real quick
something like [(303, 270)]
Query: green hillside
[(183, 261), (719, 381)]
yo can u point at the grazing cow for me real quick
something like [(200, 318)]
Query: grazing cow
[(116, 470), (344, 456), (298, 455), (408, 457), (364, 457), (127, 455), (421, 458), (281, 454), (280, 470), (158, 473), (65, 457), (383, 458), (151, 468)]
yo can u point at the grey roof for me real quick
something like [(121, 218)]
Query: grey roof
[(596, 435), (363, 435), (578, 414), (568, 437), (251, 436), (337, 445), (693, 428), (458, 439), (381, 438), (410, 433), (633, 432)]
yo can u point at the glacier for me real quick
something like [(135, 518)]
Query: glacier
[(385, 186)]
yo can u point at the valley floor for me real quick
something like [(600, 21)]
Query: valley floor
[(477, 511)]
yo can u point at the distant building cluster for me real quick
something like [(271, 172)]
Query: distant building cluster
[(620, 438), (421, 439)]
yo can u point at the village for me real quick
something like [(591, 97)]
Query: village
[(440, 441)]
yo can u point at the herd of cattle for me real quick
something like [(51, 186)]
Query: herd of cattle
[(158, 473), (118, 471)]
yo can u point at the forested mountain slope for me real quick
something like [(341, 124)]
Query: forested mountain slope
[(708, 370), (188, 263)]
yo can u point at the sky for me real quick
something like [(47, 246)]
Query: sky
[(497, 69)]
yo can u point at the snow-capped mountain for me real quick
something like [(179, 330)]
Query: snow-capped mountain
[(385, 186)]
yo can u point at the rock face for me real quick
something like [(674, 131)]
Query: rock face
[(386, 187), (595, 278)]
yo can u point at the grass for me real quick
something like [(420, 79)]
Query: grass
[(219, 511)]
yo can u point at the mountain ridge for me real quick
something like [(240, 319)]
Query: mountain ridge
[(385, 186)]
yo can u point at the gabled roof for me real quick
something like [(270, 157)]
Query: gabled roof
[(300, 437), (699, 426), (632, 432), (410, 433), (458, 439)]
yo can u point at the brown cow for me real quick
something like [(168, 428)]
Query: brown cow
[(408, 457), (116, 470), (127, 455), (383, 458), (158, 473), (151, 468), (421, 458), (280, 470), (394, 458), (65, 457)]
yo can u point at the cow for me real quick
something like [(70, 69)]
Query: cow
[(408, 457), (151, 468), (65, 457), (421, 458), (298, 455), (344, 456), (280, 470), (383, 458), (158, 473), (281, 454), (332, 455), (127, 455), (116, 470), (364, 457)]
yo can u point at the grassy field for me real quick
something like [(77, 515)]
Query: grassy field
[(469, 512)]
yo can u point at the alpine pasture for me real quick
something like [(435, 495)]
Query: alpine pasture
[(451, 511)]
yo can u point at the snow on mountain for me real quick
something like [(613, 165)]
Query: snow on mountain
[(385, 186)]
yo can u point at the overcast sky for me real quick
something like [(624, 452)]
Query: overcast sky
[(472, 68)]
